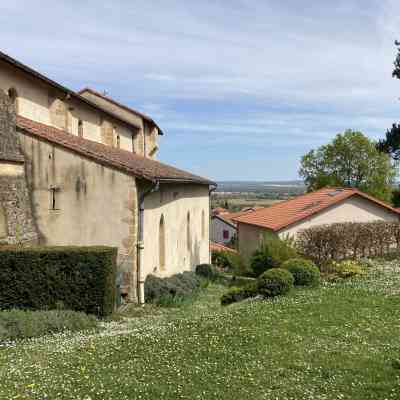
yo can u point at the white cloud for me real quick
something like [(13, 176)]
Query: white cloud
[(245, 73)]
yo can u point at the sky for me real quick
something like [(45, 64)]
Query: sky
[(241, 88)]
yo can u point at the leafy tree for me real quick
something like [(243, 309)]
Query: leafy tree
[(350, 160), (391, 143)]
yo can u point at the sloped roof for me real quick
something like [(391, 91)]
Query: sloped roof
[(281, 215), (123, 160), (221, 217), (118, 104), (220, 247)]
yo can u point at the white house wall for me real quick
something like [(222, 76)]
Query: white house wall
[(174, 202)]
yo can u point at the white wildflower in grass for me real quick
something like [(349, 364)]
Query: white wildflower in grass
[(339, 341)]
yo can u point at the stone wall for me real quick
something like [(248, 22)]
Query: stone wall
[(17, 224)]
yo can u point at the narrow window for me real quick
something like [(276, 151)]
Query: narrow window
[(13, 95), (161, 243), (188, 235), (203, 225), (3, 223), (118, 142), (80, 128), (53, 198), (133, 142), (226, 234)]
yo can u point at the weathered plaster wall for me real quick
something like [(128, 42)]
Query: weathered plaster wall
[(94, 205), (44, 104), (16, 222), (174, 202), (250, 238), (144, 131)]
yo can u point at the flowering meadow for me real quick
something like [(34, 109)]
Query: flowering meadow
[(339, 341)]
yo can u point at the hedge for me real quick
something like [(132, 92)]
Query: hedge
[(76, 278), (348, 240), (180, 286)]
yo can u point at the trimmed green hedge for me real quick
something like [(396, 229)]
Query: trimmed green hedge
[(77, 278)]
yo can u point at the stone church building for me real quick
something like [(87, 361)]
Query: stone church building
[(80, 169)]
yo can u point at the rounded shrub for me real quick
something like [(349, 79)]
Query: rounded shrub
[(275, 282), (261, 261), (305, 272), (207, 271)]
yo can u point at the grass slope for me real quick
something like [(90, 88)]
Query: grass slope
[(336, 342)]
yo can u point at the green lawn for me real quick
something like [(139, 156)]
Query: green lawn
[(336, 342)]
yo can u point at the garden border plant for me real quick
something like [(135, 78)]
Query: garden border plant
[(37, 278)]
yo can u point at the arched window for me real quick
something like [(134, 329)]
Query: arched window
[(188, 232), (3, 223), (203, 225), (161, 243), (13, 95)]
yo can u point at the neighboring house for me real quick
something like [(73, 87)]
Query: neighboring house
[(223, 225), (223, 230), (325, 206), (78, 169)]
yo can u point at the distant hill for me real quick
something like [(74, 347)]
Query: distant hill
[(258, 187)]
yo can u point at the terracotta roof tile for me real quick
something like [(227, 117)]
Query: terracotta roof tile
[(120, 159), (281, 215), (220, 247)]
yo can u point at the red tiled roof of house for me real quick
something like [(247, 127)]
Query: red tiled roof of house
[(220, 247), (123, 160), (219, 210), (111, 100), (232, 216), (281, 215)]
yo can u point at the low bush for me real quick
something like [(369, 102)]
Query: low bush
[(207, 271), (271, 254), (171, 290), (305, 272), (275, 282), (238, 294), (37, 278), (221, 259), (347, 269), (21, 324)]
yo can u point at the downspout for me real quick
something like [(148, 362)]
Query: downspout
[(140, 245), (213, 188)]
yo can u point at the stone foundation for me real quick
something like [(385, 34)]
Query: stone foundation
[(17, 224)]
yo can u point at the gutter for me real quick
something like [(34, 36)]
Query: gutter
[(140, 244), (213, 188)]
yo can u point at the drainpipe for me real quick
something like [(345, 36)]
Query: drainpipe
[(140, 245), (213, 188)]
